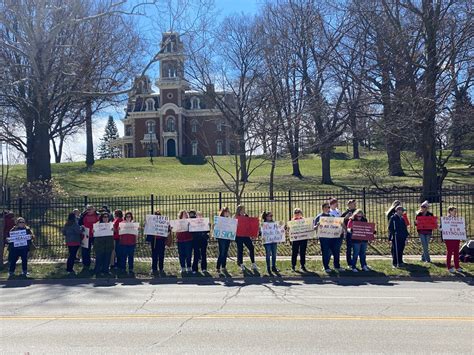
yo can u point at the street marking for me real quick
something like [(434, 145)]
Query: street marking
[(347, 297), (236, 316)]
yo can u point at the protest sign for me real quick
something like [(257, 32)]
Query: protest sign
[(330, 227), (85, 239), (426, 223), (179, 225), (198, 224), (128, 228), (19, 238), (224, 228), (363, 230), (273, 232), (453, 228), (247, 226), (103, 230), (300, 229), (157, 225)]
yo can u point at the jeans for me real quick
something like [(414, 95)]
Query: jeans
[(103, 247), (360, 250), (452, 250), (200, 252), (14, 255), (72, 257), (124, 253), (298, 246), (331, 246), (224, 245), (271, 251), (425, 243), (185, 250), (349, 245), (398, 245), (247, 241), (157, 254)]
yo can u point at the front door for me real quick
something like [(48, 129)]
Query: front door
[(171, 148)]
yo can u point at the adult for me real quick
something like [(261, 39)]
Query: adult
[(298, 246), (19, 250), (242, 240), (184, 241), (359, 246), (223, 244), (452, 246), (424, 234), (103, 247), (88, 218), (398, 234), (158, 245), (118, 218), (127, 244), (72, 234), (329, 246), (351, 207), (270, 248), (200, 241)]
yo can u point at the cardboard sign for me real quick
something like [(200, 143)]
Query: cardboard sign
[(426, 223), (85, 239), (300, 229), (199, 224), (179, 225), (273, 232), (157, 225), (453, 228), (363, 230), (405, 218), (225, 228), (129, 228), (247, 226), (330, 227), (19, 238), (103, 230)]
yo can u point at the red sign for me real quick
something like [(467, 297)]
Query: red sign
[(426, 223), (363, 230), (405, 218), (247, 226)]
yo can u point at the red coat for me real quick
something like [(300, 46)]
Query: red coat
[(116, 228), (184, 237), (88, 221)]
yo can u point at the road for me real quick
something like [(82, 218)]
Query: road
[(299, 317)]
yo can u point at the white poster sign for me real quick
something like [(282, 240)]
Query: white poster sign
[(330, 227), (129, 228), (273, 232), (179, 225), (198, 224), (300, 229), (453, 228), (157, 225), (19, 238), (103, 229), (85, 239), (225, 228)]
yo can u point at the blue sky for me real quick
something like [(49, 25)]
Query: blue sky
[(229, 6)]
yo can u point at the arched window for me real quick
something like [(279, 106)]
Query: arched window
[(150, 127), (194, 148), (170, 126), (195, 103), (219, 147), (194, 126), (150, 105)]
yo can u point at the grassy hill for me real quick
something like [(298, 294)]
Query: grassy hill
[(173, 176)]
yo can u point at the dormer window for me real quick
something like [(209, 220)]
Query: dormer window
[(219, 147), (170, 126), (194, 126), (220, 126), (195, 103), (150, 105)]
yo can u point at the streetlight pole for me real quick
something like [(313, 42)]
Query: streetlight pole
[(151, 147)]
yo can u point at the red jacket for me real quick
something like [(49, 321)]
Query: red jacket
[(116, 228), (88, 221), (182, 237)]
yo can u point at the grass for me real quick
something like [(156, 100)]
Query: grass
[(380, 268), (174, 176)]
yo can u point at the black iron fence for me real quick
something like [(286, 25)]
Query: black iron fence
[(47, 218)]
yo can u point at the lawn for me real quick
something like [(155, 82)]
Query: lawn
[(174, 176)]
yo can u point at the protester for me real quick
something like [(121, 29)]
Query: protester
[(242, 240), (466, 253), (224, 245), (452, 246), (157, 245), (270, 248), (200, 241), (391, 211), (103, 247), (298, 246), (88, 218), (127, 244), (72, 233), (351, 207), (19, 251), (185, 245), (359, 246), (329, 246), (334, 210), (118, 218), (398, 234), (425, 234), (77, 213)]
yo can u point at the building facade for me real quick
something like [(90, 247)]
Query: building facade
[(174, 121)]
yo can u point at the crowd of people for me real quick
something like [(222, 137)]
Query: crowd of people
[(118, 250)]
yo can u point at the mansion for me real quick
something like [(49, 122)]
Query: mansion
[(175, 121)]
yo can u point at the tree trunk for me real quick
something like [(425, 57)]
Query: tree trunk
[(243, 161), (326, 166), (89, 138), (39, 158), (355, 136), (355, 148), (272, 169), (393, 155), (295, 163)]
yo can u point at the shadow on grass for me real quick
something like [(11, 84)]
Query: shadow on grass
[(197, 160)]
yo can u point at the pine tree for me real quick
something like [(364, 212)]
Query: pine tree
[(106, 151)]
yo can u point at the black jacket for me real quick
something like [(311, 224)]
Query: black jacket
[(397, 227)]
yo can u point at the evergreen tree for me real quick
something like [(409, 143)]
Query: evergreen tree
[(106, 150)]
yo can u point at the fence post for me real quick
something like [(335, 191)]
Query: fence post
[(85, 201), (220, 200), (20, 207), (364, 200), (441, 201), (152, 203), (9, 198), (290, 206)]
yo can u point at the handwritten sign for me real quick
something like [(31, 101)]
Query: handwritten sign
[(426, 223), (19, 238), (198, 224), (157, 225), (273, 232), (179, 225), (301, 229), (247, 226), (330, 227), (225, 228), (128, 228), (103, 230), (363, 230), (453, 228), (85, 238)]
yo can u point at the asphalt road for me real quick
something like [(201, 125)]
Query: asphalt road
[(289, 317)]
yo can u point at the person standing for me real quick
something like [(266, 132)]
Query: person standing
[(127, 244), (19, 251), (185, 245), (224, 245), (158, 245), (298, 246), (103, 247), (328, 245), (452, 246), (200, 241), (351, 207), (391, 210), (242, 240), (270, 248), (398, 234), (118, 218), (72, 233), (88, 218), (359, 246), (425, 234)]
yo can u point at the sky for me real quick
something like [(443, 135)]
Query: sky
[(75, 148)]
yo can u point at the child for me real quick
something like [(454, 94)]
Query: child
[(328, 245), (127, 243), (242, 240), (398, 234), (452, 246), (270, 248), (200, 241), (19, 251), (224, 245), (185, 246), (359, 246), (298, 246), (72, 233), (425, 234)]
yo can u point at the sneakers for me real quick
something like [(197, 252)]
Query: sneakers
[(269, 271), (188, 269), (275, 269), (25, 273), (11, 274), (366, 268), (242, 267), (224, 269), (327, 270), (254, 267), (183, 270), (340, 269), (303, 268), (451, 270), (218, 270), (459, 269), (293, 268), (355, 270)]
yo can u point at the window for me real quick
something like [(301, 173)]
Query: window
[(169, 47), (220, 126), (195, 103), (194, 148), (128, 130), (194, 126), (150, 127), (170, 127), (219, 147), (150, 105)]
